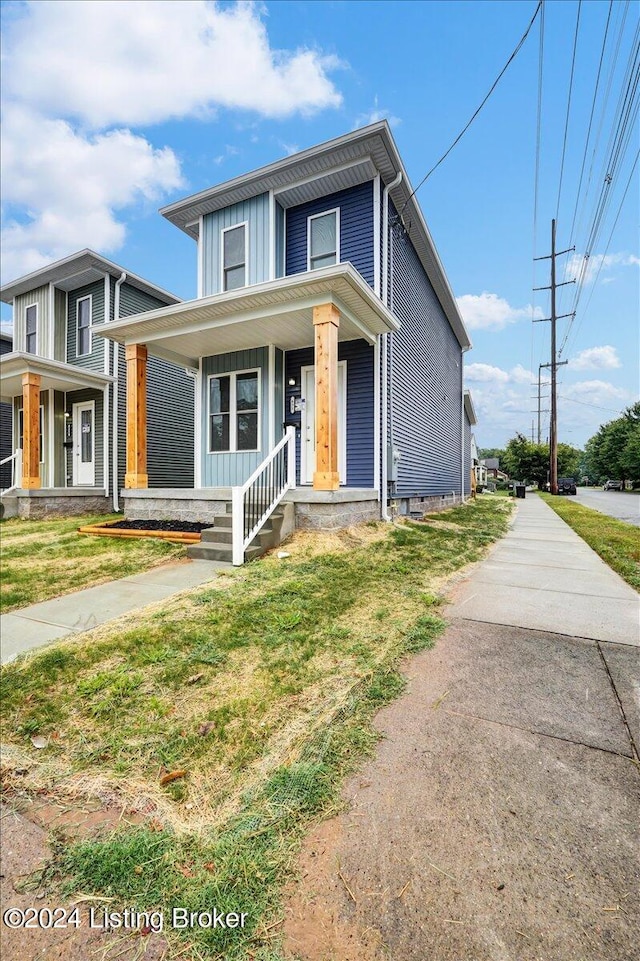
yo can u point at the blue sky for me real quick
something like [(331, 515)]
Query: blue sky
[(114, 109)]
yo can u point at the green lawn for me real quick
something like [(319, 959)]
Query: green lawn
[(43, 559), (617, 543), (260, 690)]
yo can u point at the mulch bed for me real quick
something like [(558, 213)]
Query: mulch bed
[(183, 527)]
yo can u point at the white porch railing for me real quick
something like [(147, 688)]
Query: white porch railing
[(254, 502), (16, 471)]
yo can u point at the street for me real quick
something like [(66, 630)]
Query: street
[(626, 507)]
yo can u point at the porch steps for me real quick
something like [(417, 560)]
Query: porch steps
[(216, 542)]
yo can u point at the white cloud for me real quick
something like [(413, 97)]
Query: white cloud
[(487, 311), (78, 74), (111, 63), (585, 272), (519, 375), (374, 115), (72, 187), (595, 391), (596, 358), (485, 374)]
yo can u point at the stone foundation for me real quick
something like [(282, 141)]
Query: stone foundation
[(198, 506), (428, 505), (45, 504), (333, 517)]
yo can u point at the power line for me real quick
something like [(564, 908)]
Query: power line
[(593, 107), (537, 178), (566, 123), (584, 403), (464, 130)]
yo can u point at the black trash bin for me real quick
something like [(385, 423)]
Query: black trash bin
[(521, 490)]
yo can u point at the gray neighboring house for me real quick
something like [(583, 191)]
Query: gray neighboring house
[(64, 391), (6, 346)]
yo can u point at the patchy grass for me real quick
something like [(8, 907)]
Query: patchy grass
[(43, 559), (261, 688), (617, 543)]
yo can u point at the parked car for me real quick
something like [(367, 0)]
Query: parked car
[(566, 485), (612, 485)]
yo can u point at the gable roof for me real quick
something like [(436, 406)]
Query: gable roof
[(343, 162), (77, 270), (469, 409)]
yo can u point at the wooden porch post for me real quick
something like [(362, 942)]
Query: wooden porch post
[(136, 475), (31, 431), (326, 320)]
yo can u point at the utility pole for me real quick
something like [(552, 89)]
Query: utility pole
[(553, 427), (540, 366)]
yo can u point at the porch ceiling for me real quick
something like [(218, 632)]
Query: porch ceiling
[(278, 312), (55, 375)]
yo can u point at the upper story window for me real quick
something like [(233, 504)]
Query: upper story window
[(83, 320), (31, 327), (234, 257), (323, 239), (234, 412)]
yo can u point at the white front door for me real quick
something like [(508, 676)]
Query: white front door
[(308, 426), (84, 446)]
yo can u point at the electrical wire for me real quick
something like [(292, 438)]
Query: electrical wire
[(536, 182), (566, 123), (464, 130)]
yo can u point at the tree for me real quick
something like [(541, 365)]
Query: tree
[(530, 462), (615, 450)]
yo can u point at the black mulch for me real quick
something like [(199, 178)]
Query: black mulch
[(177, 526)]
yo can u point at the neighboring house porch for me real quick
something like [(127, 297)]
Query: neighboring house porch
[(61, 435)]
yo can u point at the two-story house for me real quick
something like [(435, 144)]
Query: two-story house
[(67, 391), (326, 345)]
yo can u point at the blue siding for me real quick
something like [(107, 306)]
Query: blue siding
[(227, 470), (467, 454), (356, 229), (425, 381), (359, 357), (256, 213)]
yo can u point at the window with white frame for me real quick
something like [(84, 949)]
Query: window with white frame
[(234, 412), (323, 239), (83, 321), (234, 257), (31, 328)]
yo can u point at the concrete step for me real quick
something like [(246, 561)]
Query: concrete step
[(224, 535), (221, 552), (8, 506)]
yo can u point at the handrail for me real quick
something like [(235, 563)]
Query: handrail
[(253, 503), (14, 481)]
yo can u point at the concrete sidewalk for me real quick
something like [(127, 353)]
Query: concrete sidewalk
[(36, 625), (498, 820), (543, 576)]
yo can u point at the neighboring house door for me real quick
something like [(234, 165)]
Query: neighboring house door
[(84, 446), (308, 426)]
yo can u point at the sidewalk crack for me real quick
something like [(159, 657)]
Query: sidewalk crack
[(634, 748)]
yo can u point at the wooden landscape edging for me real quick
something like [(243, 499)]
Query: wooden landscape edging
[(177, 537)]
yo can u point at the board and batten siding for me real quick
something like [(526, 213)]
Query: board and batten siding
[(358, 355), (425, 396), (39, 296), (255, 212), (59, 325), (233, 468), (356, 229), (170, 407), (6, 433)]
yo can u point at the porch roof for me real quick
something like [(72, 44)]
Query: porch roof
[(55, 375), (278, 312)]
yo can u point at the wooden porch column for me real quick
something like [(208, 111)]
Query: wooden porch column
[(136, 475), (326, 320), (31, 431)]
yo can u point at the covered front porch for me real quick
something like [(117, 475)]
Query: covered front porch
[(60, 439)]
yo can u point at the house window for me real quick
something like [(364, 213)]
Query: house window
[(234, 412), (323, 239), (234, 257), (83, 320), (31, 340)]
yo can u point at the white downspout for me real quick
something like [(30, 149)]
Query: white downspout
[(116, 316), (463, 351), (384, 493)]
